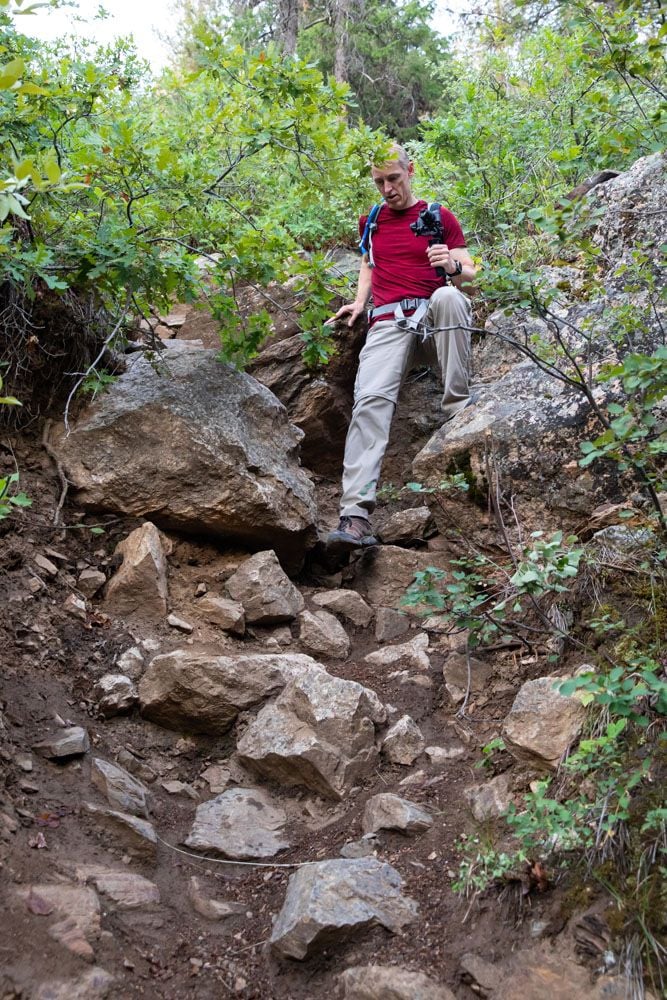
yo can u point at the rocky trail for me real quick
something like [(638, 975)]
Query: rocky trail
[(231, 768)]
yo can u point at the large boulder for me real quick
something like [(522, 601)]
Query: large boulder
[(197, 691), (196, 446), (331, 901), (319, 733)]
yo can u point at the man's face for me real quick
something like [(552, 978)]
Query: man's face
[(394, 183)]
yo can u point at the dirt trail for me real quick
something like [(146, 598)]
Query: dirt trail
[(50, 660)]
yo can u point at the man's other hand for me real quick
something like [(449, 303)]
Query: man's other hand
[(352, 309)]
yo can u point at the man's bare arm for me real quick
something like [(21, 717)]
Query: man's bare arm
[(440, 255), (355, 309)]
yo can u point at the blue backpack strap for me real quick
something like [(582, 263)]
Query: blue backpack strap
[(369, 229)]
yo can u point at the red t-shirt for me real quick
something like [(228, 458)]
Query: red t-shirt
[(402, 270)]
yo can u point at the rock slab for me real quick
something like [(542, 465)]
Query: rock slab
[(241, 823), (386, 982), (387, 811), (330, 901)]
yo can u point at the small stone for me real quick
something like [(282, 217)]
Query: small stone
[(390, 624), (217, 776), (489, 801), (35, 585), (125, 889), (136, 767), (90, 581), (180, 624), (135, 835), (364, 848), (323, 634), (24, 762), (70, 742), (75, 606), (180, 788), (442, 755), (407, 527), (404, 742), (46, 565), (139, 586), (119, 788), (201, 589), (115, 694), (408, 654), (131, 663), (347, 604), (210, 909), (221, 611), (263, 588), (456, 676), (390, 812), (542, 723)]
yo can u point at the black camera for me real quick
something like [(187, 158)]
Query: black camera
[(429, 224)]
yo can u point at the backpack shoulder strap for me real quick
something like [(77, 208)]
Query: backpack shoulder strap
[(369, 229)]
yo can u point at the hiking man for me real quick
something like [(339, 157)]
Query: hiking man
[(410, 297)]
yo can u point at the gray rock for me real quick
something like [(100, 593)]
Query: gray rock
[(329, 901), (407, 527), (267, 594), (66, 743), (441, 756), (115, 694), (323, 634), (218, 457), (390, 812), (365, 847), (241, 823), (93, 984), (347, 604), (319, 733), (139, 586), (125, 889), (196, 691), (131, 663), (134, 835), (404, 742), (408, 654), (489, 801), (385, 572), (542, 724), (120, 789), (387, 982), (455, 674), (76, 910), (180, 624), (90, 581), (220, 611), (211, 909), (390, 624)]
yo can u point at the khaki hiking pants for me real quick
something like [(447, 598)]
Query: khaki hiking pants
[(383, 363)]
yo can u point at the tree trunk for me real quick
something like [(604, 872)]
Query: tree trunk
[(345, 11), (288, 25)]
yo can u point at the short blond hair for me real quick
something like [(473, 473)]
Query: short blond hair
[(399, 153)]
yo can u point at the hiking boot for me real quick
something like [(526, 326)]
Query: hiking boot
[(351, 533)]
